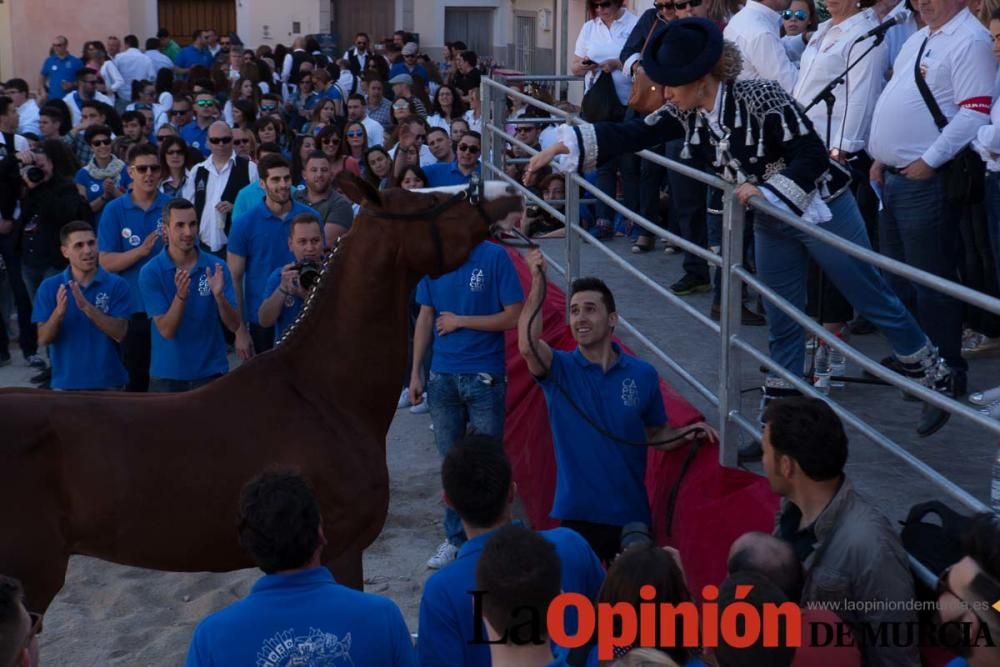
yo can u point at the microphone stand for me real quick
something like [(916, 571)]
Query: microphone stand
[(827, 96)]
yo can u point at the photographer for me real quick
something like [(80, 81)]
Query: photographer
[(288, 285)]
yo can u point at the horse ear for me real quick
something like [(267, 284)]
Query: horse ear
[(358, 190)]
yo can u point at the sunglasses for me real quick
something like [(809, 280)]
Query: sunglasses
[(361, 45), (354, 134), (798, 15), (179, 112), (602, 5), (523, 130), (205, 103), (268, 109), (690, 3), (660, 6), (468, 148), (146, 168), (220, 140), (331, 140), (100, 142), (240, 142), (174, 152)]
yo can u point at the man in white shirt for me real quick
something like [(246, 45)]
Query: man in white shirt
[(417, 128), (86, 90), (756, 29), (134, 66), (918, 225), (159, 59), (212, 186), (356, 110), (359, 55), (212, 42), (27, 108)]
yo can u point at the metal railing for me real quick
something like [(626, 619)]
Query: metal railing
[(732, 422)]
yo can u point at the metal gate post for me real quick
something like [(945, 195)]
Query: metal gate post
[(572, 213), (733, 215)]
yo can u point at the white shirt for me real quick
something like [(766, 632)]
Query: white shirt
[(27, 115), (898, 34), (374, 130), (823, 60), (475, 124), (74, 108), (426, 157), (435, 120), (159, 60), (113, 79), (362, 56), (134, 66), (959, 69), (599, 43), (756, 29), (211, 226), (987, 141)]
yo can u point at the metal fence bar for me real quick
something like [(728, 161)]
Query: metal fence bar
[(733, 219), (934, 476), (498, 83), (543, 77), (686, 170), (541, 203)]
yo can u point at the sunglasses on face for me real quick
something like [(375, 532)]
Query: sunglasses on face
[(361, 45), (661, 6), (220, 140), (178, 112), (268, 109), (100, 142), (798, 15), (147, 168), (205, 103), (331, 140), (468, 148), (602, 5), (175, 152), (354, 134), (690, 3), (240, 142)]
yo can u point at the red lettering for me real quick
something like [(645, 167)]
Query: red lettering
[(555, 620)]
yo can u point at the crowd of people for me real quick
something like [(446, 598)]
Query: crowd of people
[(160, 205)]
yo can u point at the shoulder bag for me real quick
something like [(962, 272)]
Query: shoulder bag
[(647, 95)]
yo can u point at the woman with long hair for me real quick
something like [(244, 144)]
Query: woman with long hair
[(401, 110), (448, 106), (244, 143), (244, 89), (96, 58), (412, 177), (323, 115), (357, 140), (244, 113), (331, 143), (175, 162), (305, 145), (270, 129), (378, 167)]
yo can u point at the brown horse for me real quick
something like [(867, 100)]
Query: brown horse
[(153, 480)]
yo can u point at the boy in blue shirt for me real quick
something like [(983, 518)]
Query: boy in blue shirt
[(189, 296), (258, 244), (478, 484), (305, 240), (129, 236), (82, 315), (600, 483), (465, 312), (296, 614)]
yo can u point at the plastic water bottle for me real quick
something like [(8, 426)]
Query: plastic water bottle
[(821, 374), (838, 368), (995, 486)]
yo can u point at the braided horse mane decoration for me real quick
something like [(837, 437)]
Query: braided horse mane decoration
[(153, 480)]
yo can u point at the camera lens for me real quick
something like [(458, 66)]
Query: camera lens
[(308, 274)]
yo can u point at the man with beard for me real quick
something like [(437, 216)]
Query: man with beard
[(335, 212), (287, 293), (189, 296), (600, 483), (440, 145), (82, 316), (257, 246)]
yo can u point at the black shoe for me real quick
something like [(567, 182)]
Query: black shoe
[(861, 327), (748, 318), (41, 378), (931, 371), (691, 284)]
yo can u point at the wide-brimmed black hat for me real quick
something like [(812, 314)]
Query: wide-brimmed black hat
[(682, 51)]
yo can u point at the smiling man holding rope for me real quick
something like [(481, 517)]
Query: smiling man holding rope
[(605, 410)]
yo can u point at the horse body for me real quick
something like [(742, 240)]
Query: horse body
[(154, 480)]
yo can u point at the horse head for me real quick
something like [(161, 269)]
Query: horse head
[(441, 225)]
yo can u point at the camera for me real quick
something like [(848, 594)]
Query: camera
[(309, 272), (33, 173), (635, 534)]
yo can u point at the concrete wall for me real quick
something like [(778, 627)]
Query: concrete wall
[(267, 22)]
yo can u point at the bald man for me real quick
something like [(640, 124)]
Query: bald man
[(214, 185)]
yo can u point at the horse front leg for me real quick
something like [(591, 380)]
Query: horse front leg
[(348, 569)]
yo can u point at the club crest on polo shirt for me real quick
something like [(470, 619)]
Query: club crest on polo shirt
[(134, 241), (103, 302), (630, 393), (477, 281), (203, 287), (95, 187), (315, 648)]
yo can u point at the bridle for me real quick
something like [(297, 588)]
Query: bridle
[(473, 194)]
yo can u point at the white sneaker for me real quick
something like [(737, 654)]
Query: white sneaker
[(421, 408), (986, 397), (404, 399), (445, 554)]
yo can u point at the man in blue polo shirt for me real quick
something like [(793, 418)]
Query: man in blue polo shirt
[(59, 69), (600, 483), (286, 294), (460, 171), (206, 111), (189, 296), (465, 312), (258, 244), (129, 236), (478, 484), (296, 614), (82, 315), (195, 53)]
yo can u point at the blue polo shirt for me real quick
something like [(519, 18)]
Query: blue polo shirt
[(484, 285), (95, 187), (447, 619), (289, 309), (418, 71), (83, 356), (198, 348), (448, 173), (58, 70), (190, 56), (125, 226), (251, 195), (196, 137), (598, 479), (261, 237), (305, 618)]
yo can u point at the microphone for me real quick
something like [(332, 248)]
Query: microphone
[(880, 30), (654, 117)]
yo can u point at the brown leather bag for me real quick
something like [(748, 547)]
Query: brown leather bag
[(646, 95)]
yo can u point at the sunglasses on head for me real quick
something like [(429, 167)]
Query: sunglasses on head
[(798, 15), (690, 3), (205, 103), (469, 148), (220, 140), (146, 168), (355, 133), (100, 142)]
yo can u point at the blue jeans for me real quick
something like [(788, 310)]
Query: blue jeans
[(992, 203), (27, 333), (455, 400), (918, 227), (782, 260), (687, 206)]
